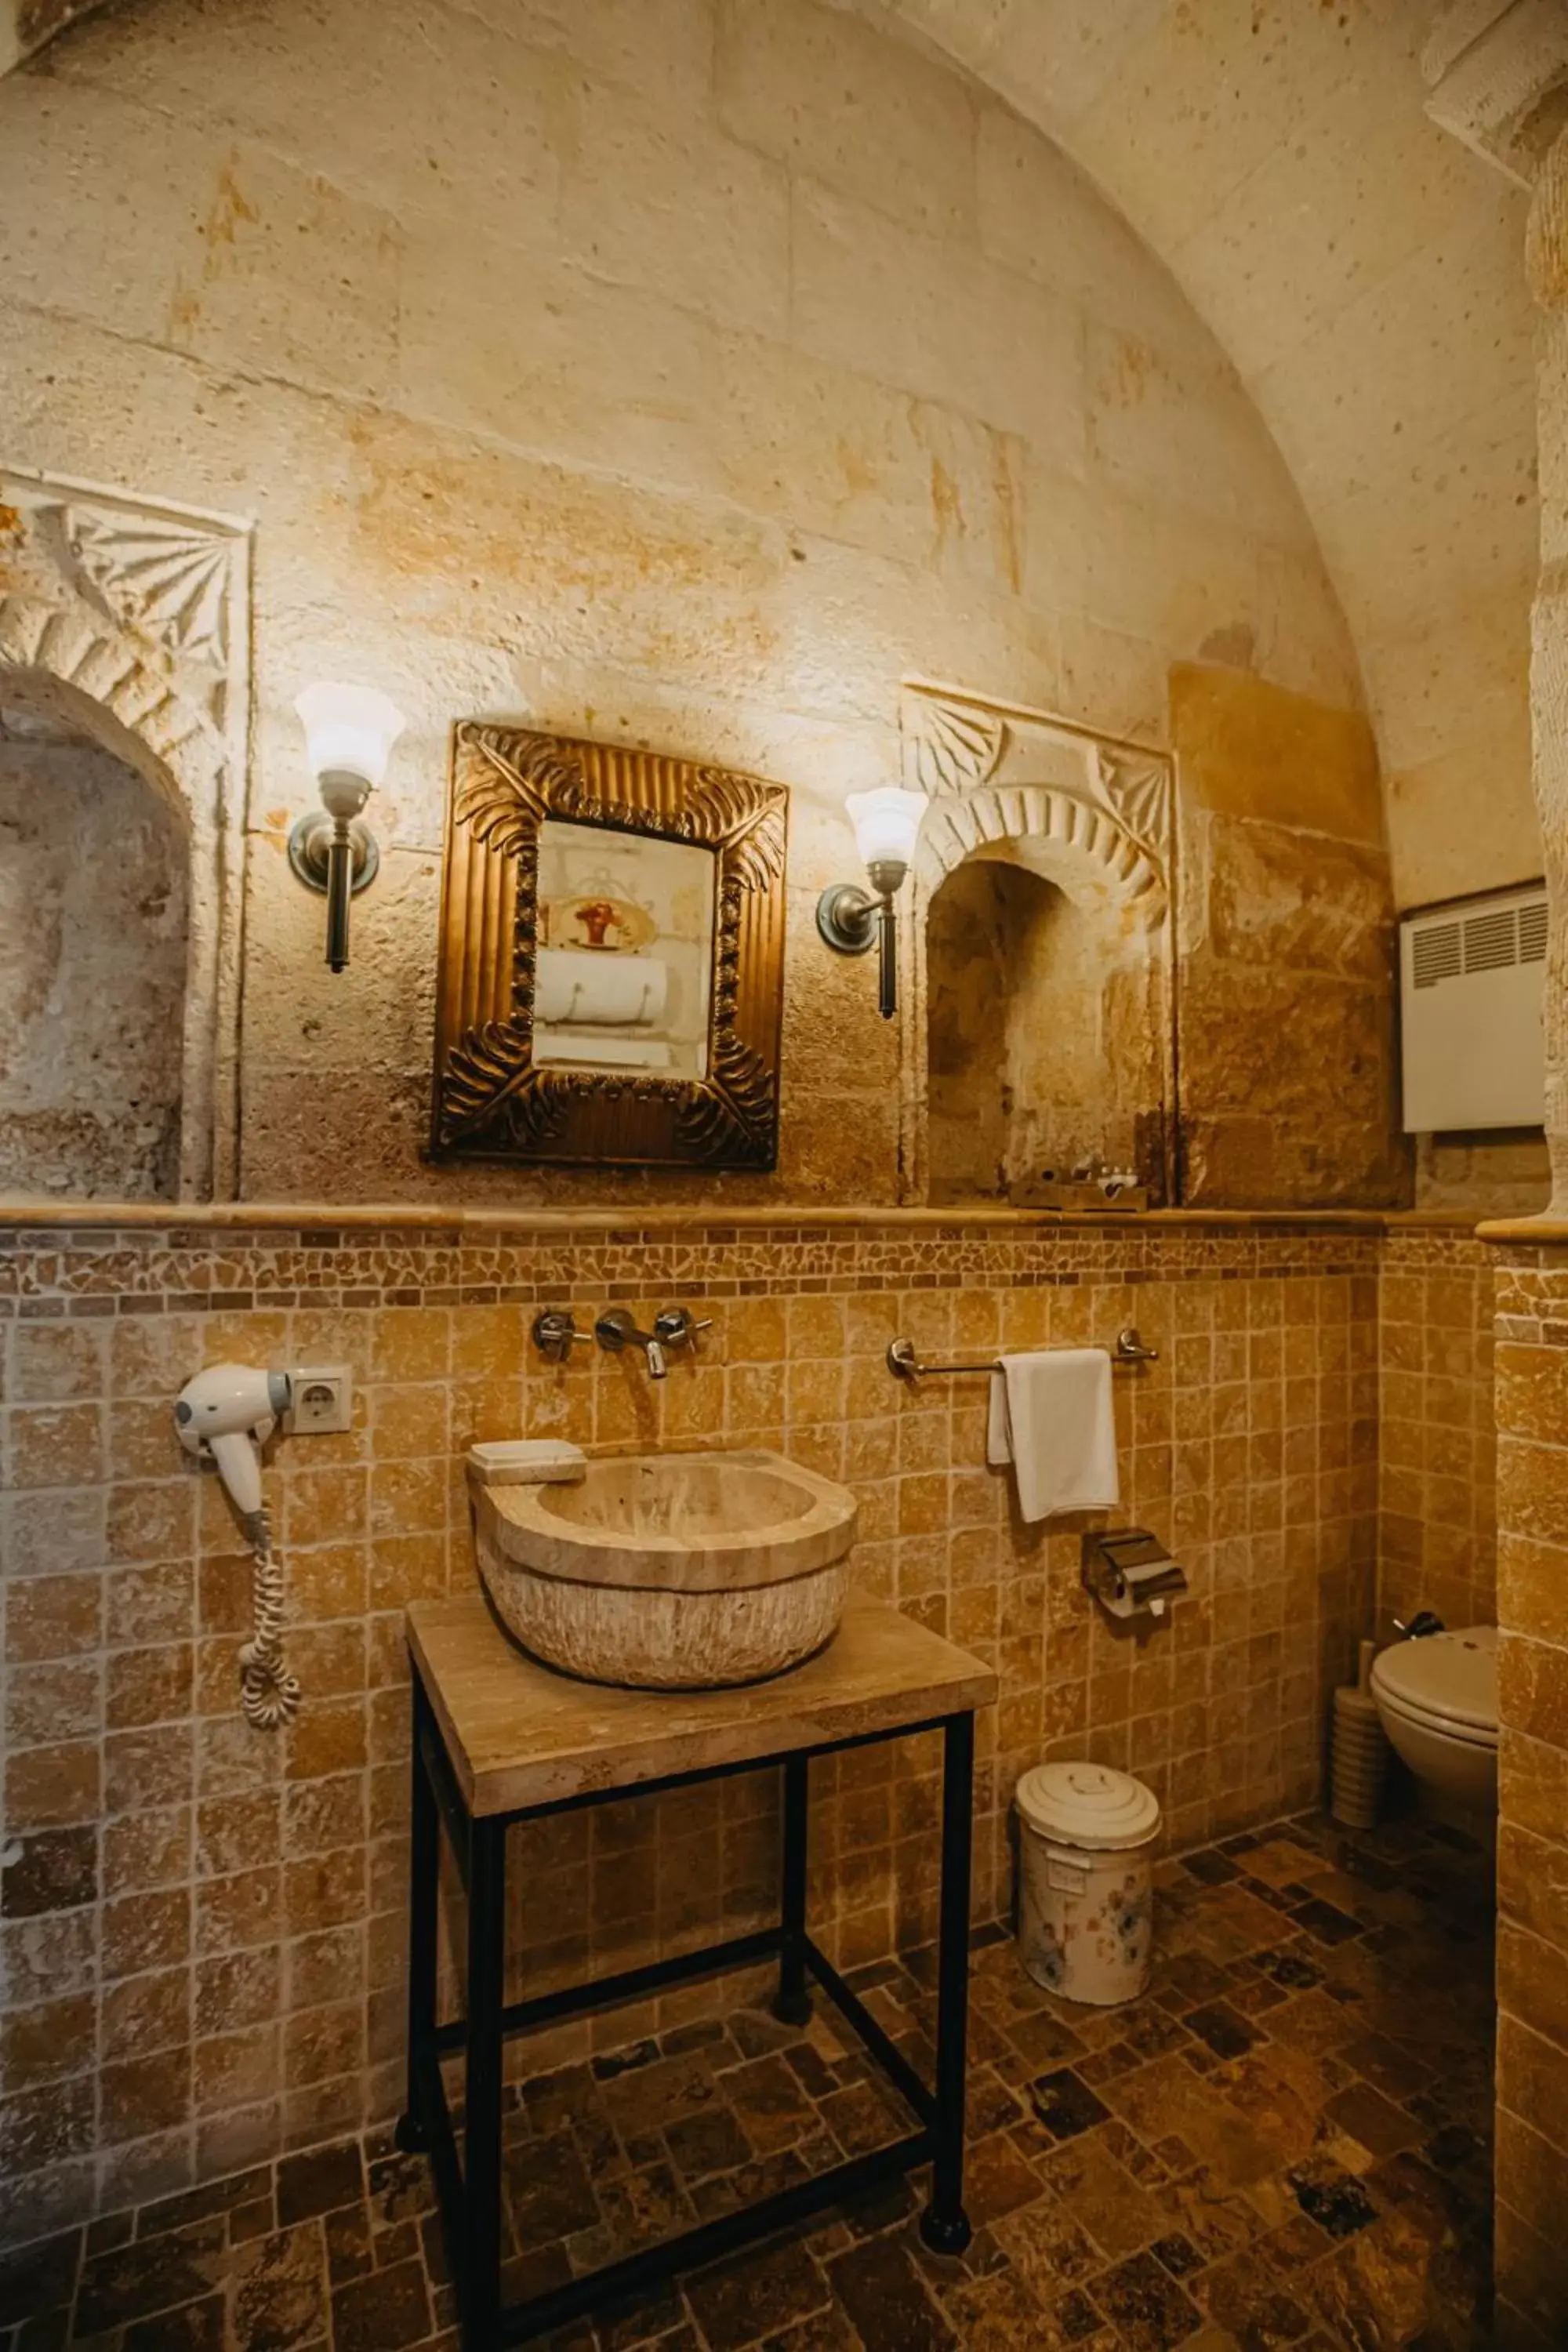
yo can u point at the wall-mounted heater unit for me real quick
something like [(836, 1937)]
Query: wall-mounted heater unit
[(1470, 984)]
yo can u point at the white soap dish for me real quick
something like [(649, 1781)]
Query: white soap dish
[(526, 1462)]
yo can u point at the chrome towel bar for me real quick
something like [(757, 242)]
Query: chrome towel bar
[(905, 1365)]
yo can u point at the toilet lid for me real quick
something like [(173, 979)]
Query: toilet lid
[(1089, 1805), (1450, 1677)]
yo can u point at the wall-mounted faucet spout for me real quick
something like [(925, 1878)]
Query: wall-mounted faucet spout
[(617, 1328), (676, 1328)]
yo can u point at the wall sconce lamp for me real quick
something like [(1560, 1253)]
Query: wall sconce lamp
[(348, 734), (887, 826)]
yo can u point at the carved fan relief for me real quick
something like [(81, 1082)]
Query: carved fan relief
[(953, 746), (611, 957), (169, 579), (1138, 793)]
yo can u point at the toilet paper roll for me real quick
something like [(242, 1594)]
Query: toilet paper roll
[(572, 988)]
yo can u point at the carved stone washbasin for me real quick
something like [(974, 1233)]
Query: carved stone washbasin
[(669, 1572)]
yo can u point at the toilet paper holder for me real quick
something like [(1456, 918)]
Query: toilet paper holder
[(1129, 1570)]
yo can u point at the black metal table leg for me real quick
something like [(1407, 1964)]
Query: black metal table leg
[(480, 2292), (424, 1905), (791, 2004), (469, 2184), (944, 2225)]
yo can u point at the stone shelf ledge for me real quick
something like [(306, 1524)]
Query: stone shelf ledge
[(1540, 1231), (263, 1216)]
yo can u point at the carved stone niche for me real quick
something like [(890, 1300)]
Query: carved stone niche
[(1091, 817), (611, 964), (130, 617)]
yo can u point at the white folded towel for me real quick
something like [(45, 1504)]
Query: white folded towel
[(1052, 1418)]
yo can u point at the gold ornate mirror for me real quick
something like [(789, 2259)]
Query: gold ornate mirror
[(611, 965)]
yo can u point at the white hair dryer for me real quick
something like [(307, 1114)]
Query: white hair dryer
[(227, 1413)]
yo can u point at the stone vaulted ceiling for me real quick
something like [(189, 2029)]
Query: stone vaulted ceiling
[(1365, 274)]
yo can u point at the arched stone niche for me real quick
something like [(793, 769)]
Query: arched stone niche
[(124, 623), (94, 875), (1038, 1020)]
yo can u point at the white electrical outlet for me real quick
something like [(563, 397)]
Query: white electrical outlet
[(323, 1399)]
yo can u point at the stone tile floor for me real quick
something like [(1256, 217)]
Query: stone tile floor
[(1284, 2143)]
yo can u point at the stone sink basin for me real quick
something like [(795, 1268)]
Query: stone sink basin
[(669, 1572)]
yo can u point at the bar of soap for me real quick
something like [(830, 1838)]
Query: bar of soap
[(526, 1461)]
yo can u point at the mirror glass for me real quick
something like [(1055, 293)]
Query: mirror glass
[(611, 978), (623, 974)]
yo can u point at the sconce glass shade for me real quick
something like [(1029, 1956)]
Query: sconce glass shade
[(349, 730), (886, 824)]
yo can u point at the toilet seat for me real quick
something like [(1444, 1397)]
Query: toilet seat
[(1445, 1683)]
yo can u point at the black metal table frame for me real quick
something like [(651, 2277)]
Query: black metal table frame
[(468, 2186)]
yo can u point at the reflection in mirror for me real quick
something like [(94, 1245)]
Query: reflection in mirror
[(623, 973), (1047, 1033), (611, 977)]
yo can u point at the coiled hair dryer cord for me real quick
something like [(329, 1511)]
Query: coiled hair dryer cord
[(268, 1692)]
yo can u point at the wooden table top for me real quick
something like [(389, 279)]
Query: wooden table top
[(519, 1734)]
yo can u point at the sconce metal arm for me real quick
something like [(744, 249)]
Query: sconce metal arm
[(852, 920)]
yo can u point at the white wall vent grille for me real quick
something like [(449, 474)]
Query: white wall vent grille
[(1532, 932), (1437, 954), (1492, 941), (1470, 990)]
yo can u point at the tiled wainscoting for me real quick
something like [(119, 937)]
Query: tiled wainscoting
[(1533, 1830), (203, 1926), (1436, 1504)]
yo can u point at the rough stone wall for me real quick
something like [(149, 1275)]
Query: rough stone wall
[(1364, 272), (971, 930), (1359, 267), (202, 1928), (92, 972), (1042, 1047), (586, 364), (1286, 999), (1507, 1173)]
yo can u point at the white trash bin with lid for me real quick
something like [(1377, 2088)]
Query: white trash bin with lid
[(1087, 1907)]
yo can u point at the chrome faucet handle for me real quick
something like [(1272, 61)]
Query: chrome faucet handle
[(678, 1327), (616, 1329), (555, 1333)]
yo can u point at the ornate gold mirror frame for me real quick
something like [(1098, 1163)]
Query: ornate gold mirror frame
[(493, 1100)]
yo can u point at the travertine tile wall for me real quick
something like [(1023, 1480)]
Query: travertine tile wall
[(1437, 1505), (203, 1928), (1532, 1828)]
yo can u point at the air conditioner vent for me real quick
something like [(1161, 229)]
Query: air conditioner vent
[(1532, 933), (1472, 973), (1491, 941), (1435, 954)]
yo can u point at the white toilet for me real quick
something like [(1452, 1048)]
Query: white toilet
[(1437, 1700)]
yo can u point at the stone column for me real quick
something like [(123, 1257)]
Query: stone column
[(1496, 78), (1547, 262)]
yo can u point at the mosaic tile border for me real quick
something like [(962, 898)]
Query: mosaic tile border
[(199, 1269)]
